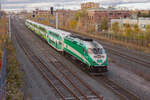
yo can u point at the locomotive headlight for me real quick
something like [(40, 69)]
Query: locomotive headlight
[(97, 56)]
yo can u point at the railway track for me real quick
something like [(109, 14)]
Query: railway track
[(123, 93), (107, 82), (130, 58), (69, 75), (113, 86), (64, 91)]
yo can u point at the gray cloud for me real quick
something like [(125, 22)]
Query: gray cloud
[(8, 4), (102, 1)]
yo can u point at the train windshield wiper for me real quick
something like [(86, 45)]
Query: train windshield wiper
[(98, 51)]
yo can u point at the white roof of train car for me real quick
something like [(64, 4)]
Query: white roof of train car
[(60, 32)]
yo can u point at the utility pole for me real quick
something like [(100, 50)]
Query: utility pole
[(0, 5), (0, 9), (9, 27), (56, 20)]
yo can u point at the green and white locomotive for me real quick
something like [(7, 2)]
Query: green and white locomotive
[(88, 51)]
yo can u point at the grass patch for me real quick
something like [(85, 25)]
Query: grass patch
[(3, 35), (14, 75), (14, 81)]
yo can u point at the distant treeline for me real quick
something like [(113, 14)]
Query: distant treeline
[(139, 14)]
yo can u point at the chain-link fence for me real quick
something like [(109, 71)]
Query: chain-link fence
[(140, 42)]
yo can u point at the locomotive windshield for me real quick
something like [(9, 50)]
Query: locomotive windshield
[(98, 50), (95, 48)]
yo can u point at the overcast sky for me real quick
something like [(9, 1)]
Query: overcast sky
[(71, 4)]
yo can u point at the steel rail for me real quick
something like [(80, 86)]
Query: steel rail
[(107, 80), (67, 78), (29, 55), (85, 84), (31, 59), (136, 60), (124, 93)]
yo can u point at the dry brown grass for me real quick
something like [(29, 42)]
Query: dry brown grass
[(3, 30), (3, 25)]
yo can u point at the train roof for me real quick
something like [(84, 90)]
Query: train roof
[(82, 38), (60, 32), (87, 42), (79, 39)]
